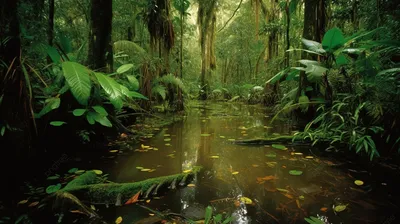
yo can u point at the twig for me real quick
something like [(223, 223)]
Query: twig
[(241, 1)]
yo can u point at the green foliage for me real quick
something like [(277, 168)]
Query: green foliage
[(77, 77), (215, 219)]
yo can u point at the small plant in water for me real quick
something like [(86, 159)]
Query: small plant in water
[(320, 219), (216, 219)]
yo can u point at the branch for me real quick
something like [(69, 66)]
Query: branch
[(241, 1)]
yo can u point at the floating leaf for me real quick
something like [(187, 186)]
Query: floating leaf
[(231, 140), (98, 172), (281, 147), (168, 144), (133, 199), (53, 188), (271, 164), (22, 202), (191, 185), (246, 200), (113, 151), (118, 220), (301, 197), (155, 149), (187, 171), (33, 204), (271, 155), (167, 135), (235, 173), (145, 170), (324, 209), (340, 208), (298, 153), (295, 172), (73, 170), (359, 182), (205, 135), (167, 140), (309, 157), (222, 136), (139, 168), (214, 157), (148, 201), (282, 190)]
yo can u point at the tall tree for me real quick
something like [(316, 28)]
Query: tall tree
[(206, 20), (100, 55), (50, 28)]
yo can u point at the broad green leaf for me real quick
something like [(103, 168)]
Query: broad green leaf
[(53, 54), (78, 79), (78, 112), (217, 218), (103, 120), (53, 188), (57, 123), (73, 170), (295, 172), (315, 73), (181, 5), (65, 44), (281, 147), (313, 46), (90, 117), (340, 208), (333, 39), (313, 220), (100, 110), (124, 68), (51, 104), (341, 60), (208, 215), (303, 101), (98, 172), (133, 81), (112, 89), (276, 77)]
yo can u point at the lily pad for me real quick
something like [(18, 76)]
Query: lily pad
[(53, 188), (281, 147), (295, 172)]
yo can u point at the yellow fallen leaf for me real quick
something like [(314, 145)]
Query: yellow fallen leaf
[(33, 204), (191, 185), (214, 157), (231, 140), (168, 144), (243, 132), (155, 149), (145, 170), (22, 202), (187, 171), (235, 173), (118, 220), (309, 157), (148, 201), (359, 182), (246, 200), (152, 170), (255, 165), (113, 151), (151, 214), (298, 153)]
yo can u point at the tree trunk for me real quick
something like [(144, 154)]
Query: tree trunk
[(100, 55), (287, 62), (50, 29)]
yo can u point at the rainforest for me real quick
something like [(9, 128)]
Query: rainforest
[(199, 111)]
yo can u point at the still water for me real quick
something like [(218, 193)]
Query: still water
[(257, 172)]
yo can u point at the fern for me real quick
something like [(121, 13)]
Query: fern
[(159, 90), (172, 80)]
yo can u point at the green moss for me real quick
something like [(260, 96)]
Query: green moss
[(110, 192)]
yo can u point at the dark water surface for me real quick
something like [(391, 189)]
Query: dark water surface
[(277, 196)]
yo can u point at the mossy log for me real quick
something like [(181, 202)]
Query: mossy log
[(269, 141), (88, 189)]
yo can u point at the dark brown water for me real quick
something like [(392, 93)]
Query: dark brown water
[(233, 171)]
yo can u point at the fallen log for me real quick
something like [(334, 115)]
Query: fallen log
[(88, 189)]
